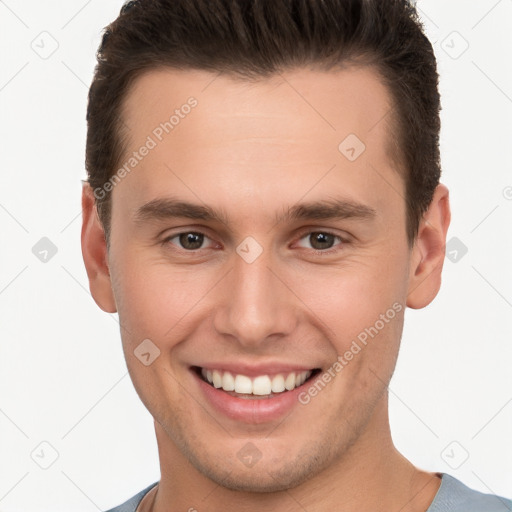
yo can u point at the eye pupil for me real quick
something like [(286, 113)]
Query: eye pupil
[(191, 240), (324, 239)]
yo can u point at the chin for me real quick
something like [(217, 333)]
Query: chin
[(280, 472), (262, 480)]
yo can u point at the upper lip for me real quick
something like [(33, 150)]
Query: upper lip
[(254, 370)]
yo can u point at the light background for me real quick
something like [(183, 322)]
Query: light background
[(63, 378)]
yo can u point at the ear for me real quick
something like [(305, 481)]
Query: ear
[(429, 251), (94, 252)]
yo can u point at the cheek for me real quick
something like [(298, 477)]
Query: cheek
[(155, 301), (352, 299), (361, 309)]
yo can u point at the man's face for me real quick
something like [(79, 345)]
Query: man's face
[(261, 294)]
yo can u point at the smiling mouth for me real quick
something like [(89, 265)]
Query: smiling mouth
[(262, 386)]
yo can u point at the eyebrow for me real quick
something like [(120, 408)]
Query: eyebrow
[(326, 209)]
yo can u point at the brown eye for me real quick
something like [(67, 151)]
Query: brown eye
[(187, 240), (191, 240), (321, 241)]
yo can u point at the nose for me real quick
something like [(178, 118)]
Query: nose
[(258, 305)]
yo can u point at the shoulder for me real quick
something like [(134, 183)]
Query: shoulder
[(454, 496), (132, 504)]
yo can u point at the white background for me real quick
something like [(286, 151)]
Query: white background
[(63, 378)]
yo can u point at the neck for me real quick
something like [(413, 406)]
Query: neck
[(371, 475)]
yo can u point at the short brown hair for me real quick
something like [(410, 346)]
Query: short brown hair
[(253, 39)]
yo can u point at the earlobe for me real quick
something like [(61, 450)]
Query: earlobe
[(429, 251), (94, 252)]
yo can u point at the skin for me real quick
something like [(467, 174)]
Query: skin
[(252, 151)]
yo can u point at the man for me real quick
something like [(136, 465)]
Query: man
[(263, 203)]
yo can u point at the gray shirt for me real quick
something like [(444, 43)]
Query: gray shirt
[(452, 496)]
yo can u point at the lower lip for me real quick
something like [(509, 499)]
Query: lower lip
[(251, 410)]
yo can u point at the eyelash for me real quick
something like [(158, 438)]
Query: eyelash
[(331, 250)]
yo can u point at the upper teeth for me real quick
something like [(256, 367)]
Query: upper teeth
[(261, 385)]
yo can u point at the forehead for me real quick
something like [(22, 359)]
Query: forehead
[(285, 132), (351, 99)]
